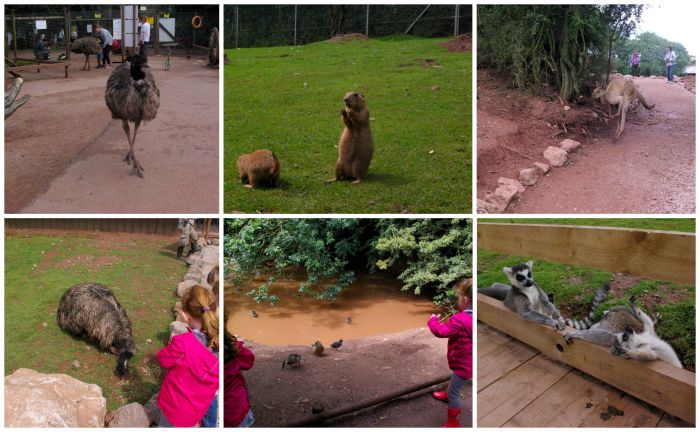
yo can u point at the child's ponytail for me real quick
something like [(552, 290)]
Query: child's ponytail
[(199, 303)]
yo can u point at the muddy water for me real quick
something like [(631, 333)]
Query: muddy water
[(374, 303)]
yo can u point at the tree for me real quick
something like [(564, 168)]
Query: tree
[(622, 21), (337, 14)]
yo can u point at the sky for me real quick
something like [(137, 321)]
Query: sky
[(675, 21)]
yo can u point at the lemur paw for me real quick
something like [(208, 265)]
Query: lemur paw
[(559, 325), (568, 338)]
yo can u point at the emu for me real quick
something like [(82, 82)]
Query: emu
[(91, 311), (133, 96), (85, 45)]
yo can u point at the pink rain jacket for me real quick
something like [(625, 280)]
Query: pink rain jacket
[(236, 403), (191, 382), (459, 345)]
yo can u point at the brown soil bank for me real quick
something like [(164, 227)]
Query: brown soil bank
[(361, 369), (650, 169)]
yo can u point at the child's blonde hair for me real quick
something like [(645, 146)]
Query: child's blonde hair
[(199, 303), (463, 288)]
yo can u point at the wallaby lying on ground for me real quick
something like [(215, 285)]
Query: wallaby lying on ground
[(622, 93)]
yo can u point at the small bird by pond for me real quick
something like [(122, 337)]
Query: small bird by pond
[(253, 314), (293, 361), (318, 348), (337, 344)]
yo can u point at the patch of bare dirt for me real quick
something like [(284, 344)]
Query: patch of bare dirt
[(462, 43), (650, 169), (348, 36), (688, 82), (360, 369), (621, 282)]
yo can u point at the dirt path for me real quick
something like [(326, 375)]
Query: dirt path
[(360, 369), (650, 169), (63, 152)]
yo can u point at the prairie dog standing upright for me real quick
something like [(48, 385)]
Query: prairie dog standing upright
[(355, 147)]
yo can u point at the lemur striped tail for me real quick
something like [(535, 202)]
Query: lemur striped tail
[(587, 322)]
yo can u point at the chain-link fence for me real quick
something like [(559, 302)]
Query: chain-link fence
[(262, 25), (26, 25)]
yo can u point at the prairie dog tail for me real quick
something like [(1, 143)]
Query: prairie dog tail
[(644, 102), (587, 321)]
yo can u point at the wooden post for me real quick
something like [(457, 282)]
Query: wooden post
[(207, 225), (14, 36), (66, 32), (663, 255), (658, 383), (156, 34)]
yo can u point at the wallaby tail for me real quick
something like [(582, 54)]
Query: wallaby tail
[(643, 101), (497, 291), (587, 322)]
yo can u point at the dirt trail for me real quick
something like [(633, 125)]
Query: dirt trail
[(650, 169), (360, 369), (63, 152)]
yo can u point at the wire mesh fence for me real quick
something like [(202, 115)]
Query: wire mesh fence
[(271, 25)]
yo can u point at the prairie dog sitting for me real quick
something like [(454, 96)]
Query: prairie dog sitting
[(259, 168), (355, 148)]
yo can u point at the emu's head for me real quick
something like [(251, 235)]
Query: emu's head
[(125, 349), (138, 65)]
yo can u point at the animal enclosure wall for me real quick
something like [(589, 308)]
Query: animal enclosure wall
[(263, 25), (667, 256)]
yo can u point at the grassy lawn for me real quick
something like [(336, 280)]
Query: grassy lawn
[(573, 287), (288, 100), (141, 272)]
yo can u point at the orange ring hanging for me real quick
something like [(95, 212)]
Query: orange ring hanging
[(197, 21)]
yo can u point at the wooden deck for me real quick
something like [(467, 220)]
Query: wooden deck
[(519, 387)]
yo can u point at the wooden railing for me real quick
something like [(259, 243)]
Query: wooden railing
[(667, 256)]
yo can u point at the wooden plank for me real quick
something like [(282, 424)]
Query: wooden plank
[(579, 397), (636, 413), (489, 339), (503, 399), (661, 384), (663, 255), (500, 361), (668, 421)]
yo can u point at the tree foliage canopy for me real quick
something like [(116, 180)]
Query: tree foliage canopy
[(427, 253), (652, 49), (558, 45)]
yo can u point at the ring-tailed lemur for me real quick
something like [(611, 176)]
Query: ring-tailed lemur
[(520, 276), (630, 334), (525, 297)]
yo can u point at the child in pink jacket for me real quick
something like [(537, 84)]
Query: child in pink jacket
[(459, 350), (237, 358), (192, 379)]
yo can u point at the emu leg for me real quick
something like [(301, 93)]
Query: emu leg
[(129, 156), (138, 168)]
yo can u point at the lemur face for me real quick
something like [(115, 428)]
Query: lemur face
[(520, 275)]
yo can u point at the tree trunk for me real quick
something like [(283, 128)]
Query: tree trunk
[(337, 19)]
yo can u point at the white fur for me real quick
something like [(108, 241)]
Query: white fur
[(647, 346)]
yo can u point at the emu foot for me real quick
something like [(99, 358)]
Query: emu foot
[(129, 158), (138, 168)]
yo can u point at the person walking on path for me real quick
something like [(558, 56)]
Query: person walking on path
[(635, 59), (670, 63)]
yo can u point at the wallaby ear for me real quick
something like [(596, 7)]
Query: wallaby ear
[(529, 264), (508, 271)]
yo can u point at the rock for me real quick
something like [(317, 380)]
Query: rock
[(193, 274), (210, 254), (528, 176), (185, 286), (194, 260), (38, 400), (178, 327), (485, 207), (76, 364), (215, 242), (569, 145), (151, 409), (543, 167), (44, 325), (555, 156), (505, 192), (128, 416)]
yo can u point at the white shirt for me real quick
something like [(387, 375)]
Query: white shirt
[(146, 32)]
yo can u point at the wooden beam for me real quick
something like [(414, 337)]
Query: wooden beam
[(662, 255), (658, 383)]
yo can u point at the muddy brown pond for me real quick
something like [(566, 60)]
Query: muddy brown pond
[(374, 304)]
